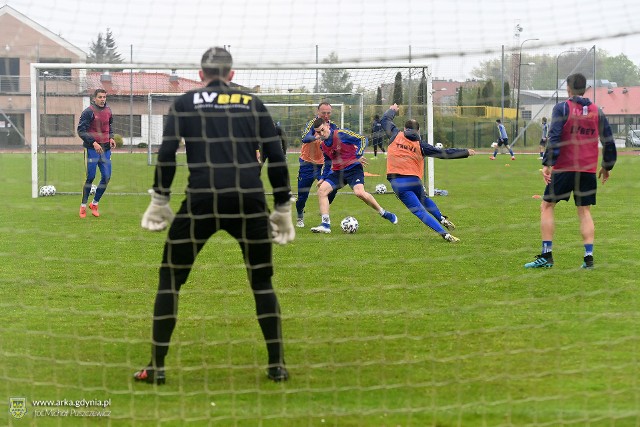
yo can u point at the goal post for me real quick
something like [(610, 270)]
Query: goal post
[(290, 91)]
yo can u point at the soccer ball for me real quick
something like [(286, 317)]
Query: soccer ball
[(93, 189), (381, 188), (47, 190), (494, 145), (349, 225), (439, 145)]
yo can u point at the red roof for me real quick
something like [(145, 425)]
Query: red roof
[(617, 100), (142, 83)]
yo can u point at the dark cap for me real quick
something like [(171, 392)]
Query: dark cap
[(216, 61)]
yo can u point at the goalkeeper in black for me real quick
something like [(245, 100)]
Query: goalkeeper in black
[(222, 128)]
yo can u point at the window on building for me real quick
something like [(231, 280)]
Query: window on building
[(57, 125), (526, 115), (57, 74), (9, 75), (121, 125)]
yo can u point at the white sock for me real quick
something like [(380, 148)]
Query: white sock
[(382, 212), (325, 219)]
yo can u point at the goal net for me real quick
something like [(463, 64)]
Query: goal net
[(139, 97), (387, 326)]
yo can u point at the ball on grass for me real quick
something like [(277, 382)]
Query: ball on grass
[(47, 190), (381, 189), (349, 225)]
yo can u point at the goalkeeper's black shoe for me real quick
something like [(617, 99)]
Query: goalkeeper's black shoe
[(278, 374), (150, 376)]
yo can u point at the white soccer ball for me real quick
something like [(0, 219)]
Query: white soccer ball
[(439, 145), (349, 225), (93, 189), (494, 145), (381, 188), (47, 190)]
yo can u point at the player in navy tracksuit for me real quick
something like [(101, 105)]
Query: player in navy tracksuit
[(95, 129), (405, 169), (377, 136)]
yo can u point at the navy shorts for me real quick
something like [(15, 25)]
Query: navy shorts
[(502, 142), (353, 176), (582, 184)]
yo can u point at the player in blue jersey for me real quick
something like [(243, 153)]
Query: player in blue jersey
[(345, 149), (314, 164), (503, 139)]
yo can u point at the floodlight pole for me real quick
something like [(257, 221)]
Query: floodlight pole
[(558, 85), (518, 96)]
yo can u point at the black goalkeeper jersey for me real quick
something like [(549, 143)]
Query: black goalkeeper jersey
[(223, 128)]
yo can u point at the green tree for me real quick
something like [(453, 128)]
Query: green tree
[(549, 68), (379, 96), (397, 89), (97, 51), (460, 100), (104, 50), (335, 80), (113, 56), (621, 70), (488, 96), (507, 97)]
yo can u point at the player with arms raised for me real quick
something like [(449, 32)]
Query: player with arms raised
[(405, 169)]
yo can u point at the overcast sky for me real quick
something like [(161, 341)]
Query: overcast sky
[(459, 32)]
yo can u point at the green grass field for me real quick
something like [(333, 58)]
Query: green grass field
[(390, 326)]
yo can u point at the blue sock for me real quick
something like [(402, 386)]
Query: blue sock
[(546, 246), (588, 249)]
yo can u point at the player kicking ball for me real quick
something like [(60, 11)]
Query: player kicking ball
[(405, 169), (345, 149)]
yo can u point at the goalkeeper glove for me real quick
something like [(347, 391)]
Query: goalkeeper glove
[(159, 214), (282, 229)]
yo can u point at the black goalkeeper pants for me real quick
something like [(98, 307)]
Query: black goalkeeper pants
[(247, 220)]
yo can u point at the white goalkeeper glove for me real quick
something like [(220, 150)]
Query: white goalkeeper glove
[(159, 214), (282, 229)]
